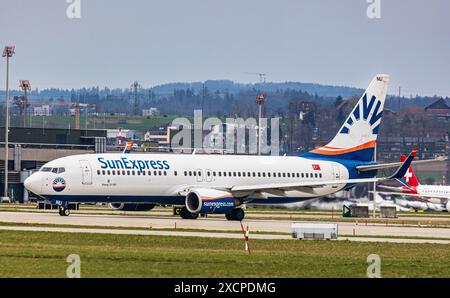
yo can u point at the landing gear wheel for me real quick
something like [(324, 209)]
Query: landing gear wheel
[(66, 211), (185, 214), (236, 214), (63, 211)]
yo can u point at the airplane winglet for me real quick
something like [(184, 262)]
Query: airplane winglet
[(404, 183), (401, 171)]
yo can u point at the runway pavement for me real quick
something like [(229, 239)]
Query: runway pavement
[(210, 225)]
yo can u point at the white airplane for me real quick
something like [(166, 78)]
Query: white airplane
[(427, 195), (223, 183)]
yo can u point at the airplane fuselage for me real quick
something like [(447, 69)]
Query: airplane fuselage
[(161, 178)]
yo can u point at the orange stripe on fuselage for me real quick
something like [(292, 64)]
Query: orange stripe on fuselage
[(210, 199), (370, 144)]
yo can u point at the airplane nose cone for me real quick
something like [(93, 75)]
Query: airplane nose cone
[(32, 184)]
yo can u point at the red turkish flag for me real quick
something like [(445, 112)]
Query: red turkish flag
[(316, 167)]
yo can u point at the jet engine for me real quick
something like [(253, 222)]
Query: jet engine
[(203, 200), (131, 206)]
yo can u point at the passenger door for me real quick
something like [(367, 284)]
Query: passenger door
[(336, 175), (86, 172)]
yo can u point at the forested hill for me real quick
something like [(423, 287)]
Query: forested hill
[(231, 87)]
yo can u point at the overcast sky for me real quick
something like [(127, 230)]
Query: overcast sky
[(157, 41)]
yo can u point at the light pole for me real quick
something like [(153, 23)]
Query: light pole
[(8, 53), (25, 86), (260, 98)]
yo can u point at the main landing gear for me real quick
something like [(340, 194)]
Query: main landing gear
[(64, 211), (236, 214), (185, 214)]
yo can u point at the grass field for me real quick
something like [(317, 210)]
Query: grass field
[(43, 254)]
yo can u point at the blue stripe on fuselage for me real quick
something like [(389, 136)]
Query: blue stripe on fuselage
[(350, 165), (163, 200)]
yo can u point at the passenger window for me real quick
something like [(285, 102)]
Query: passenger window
[(264, 174), (289, 175), (113, 172), (259, 174), (109, 172), (315, 175), (234, 174), (268, 174), (190, 173), (303, 175), (118, 172), (199, 173), (123, 172), (159, 173), (143, 173), (128, 173), (165, 173), (98, 172), (243, 174), (284, 175), (214, 174), (224, 174), (175, 173), (220, 174), (279, 174), (103, 172), (239, 174), (185, 173), (195, 173)]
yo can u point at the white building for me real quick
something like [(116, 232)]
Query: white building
[(150, 112), (119, 136), (42, 111)]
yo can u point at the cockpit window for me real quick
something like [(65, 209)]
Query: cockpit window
[(53, 170)]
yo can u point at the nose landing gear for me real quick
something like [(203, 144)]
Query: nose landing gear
[(64, 211)]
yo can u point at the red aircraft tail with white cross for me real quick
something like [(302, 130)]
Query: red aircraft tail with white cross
[(411, 187)]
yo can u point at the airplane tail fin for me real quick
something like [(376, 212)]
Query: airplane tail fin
[(357, 137), (128, 147), (410, 177)]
